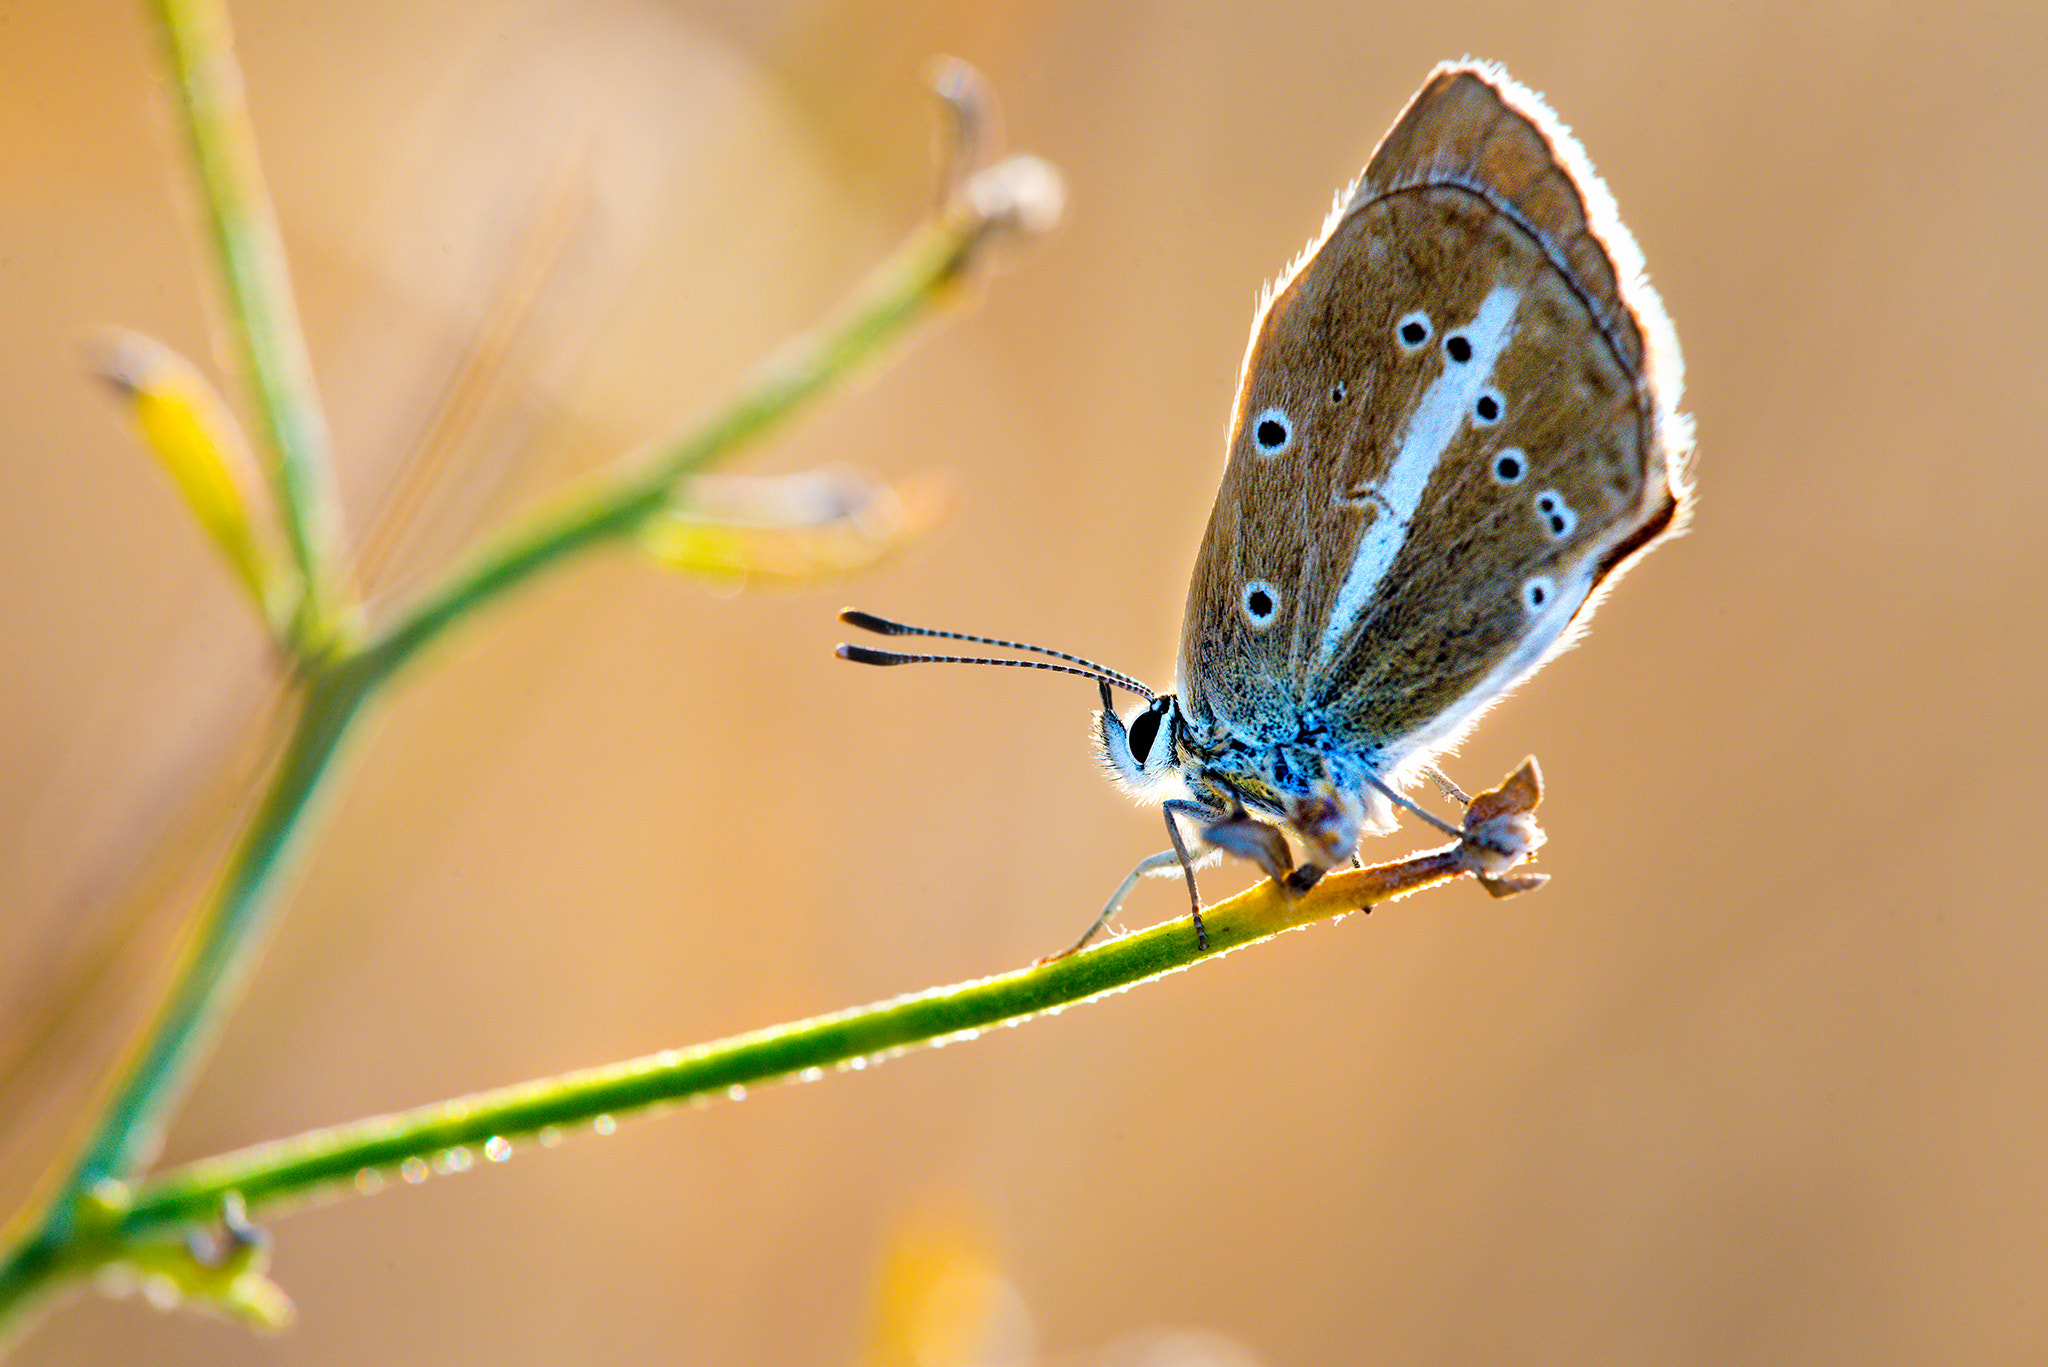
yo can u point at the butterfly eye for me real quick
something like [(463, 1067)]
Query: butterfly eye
[(1261, 604), (1458, 347), (1413, 330), (1486, 412), (1145, 732), (1537, 592), (1339, 392), (1509, 466), (1272, 430), (1556, 515)]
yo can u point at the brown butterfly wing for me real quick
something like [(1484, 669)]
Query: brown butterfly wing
[(1397, 556)]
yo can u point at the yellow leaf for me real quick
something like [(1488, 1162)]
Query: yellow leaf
[(189, 430), (788, 530)]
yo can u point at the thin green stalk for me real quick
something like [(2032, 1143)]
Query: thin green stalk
[(903, 291), (262, 314), (897, 296), (74, 1233), (120, 1219), (274, 1174), (127, 1132), (92, 1218), (132, 1125)]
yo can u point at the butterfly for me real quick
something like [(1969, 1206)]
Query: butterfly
[(1456, 427)]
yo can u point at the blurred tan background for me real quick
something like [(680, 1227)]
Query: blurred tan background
[(1757, 1079)]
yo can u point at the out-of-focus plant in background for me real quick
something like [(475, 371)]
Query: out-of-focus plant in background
[(280, 537)]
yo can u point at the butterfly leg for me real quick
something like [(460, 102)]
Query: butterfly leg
[(1247, 837), (1197, 812), (1152, 863), (1157, 863)]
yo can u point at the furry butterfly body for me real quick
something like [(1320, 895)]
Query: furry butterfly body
[(1455, 428)]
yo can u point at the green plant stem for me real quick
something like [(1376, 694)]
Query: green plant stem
[(128, 1131), (93, 1217), (335, 693), (899, 294), (131, 1126), (275, 1174), (264, 319)]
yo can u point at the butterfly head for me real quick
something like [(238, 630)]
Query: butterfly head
[(1149, 755), (1144, 754)]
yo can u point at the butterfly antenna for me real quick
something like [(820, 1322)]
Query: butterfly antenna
[(882, 626)]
